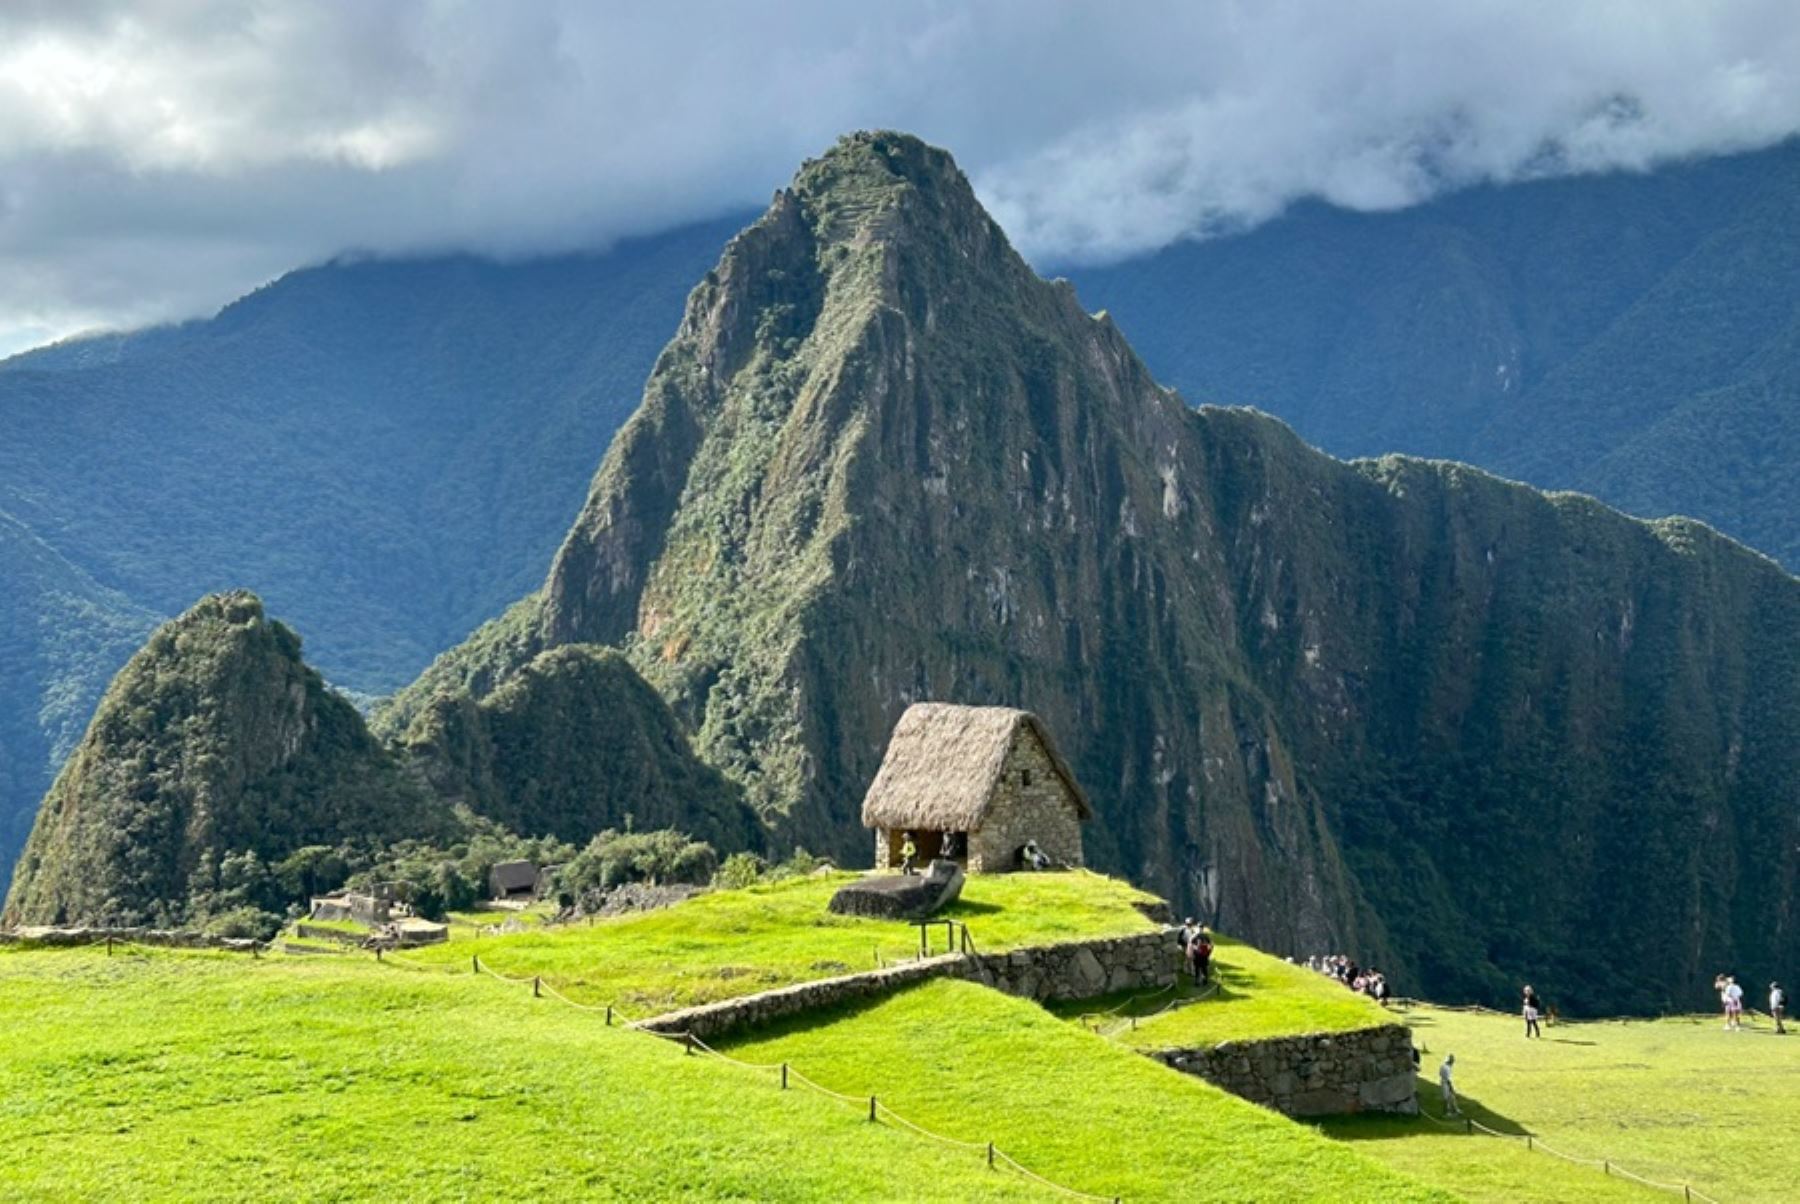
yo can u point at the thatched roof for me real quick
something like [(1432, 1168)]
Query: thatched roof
[(942, 765)]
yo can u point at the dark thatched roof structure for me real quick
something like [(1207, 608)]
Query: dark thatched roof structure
[(943, 763)]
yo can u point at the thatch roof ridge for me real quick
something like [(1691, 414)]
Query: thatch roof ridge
[(943, 761)]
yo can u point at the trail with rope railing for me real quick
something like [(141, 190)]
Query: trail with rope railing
[(1533, 1142), (789, 1076)]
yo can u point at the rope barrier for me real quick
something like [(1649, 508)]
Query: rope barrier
[(1533, 1142)]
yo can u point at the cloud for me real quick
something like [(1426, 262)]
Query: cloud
[(158, 158)]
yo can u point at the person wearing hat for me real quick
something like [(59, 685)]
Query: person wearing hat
[(909, 854), (1777, 1005), (1447, 1087)]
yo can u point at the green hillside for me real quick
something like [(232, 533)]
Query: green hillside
[(218, 1078), (969, 1062), (733, 943), (1629, 335), (342, 1077)]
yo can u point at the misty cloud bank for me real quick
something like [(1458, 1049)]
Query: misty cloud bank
[(157, 159)]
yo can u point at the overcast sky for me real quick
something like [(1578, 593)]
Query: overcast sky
[(158, 159)]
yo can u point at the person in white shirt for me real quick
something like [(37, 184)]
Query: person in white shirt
[(1734, 1005), (1447, 1087), (1778, 1005)]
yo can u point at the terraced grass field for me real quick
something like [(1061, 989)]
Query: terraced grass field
[(1678, 1101), (196, 1076), (980, 1066), (731, 943), (1253, 995)]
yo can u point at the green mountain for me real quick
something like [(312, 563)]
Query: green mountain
[(1635, 336), (620, 758), (1396, 706), (219, 769), (214, 741), (388, 450)]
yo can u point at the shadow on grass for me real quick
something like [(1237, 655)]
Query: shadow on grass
[(1382, 1126)]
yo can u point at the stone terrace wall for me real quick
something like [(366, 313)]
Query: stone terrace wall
[(709, 1020), (1080, 969), (1073, 970), (1320, 1074)]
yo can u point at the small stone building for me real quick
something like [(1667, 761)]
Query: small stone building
[(983, 780), (513, 880)]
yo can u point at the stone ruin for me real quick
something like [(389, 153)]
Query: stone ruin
[(901, 896)]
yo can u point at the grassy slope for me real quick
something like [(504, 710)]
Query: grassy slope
[(1678, 1101), (1258, 996), (977, 1065), (732, 943), (217, 1078)]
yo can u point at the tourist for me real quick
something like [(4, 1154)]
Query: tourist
[(1532, 1009), (1033, 857), (1447, 1087), (1190, 932), (1734, 1005), (1777, 1006), (909, 854), (1200, 956)]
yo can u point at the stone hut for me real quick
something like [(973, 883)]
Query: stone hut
[(974, 784), (513, 880)]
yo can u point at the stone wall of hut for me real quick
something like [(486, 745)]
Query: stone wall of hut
[(1031, 802)]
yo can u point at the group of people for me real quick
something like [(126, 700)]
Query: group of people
[(1731, 996), (1372, 983), (1196, 949)]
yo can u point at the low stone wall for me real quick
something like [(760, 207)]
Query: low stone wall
[(1320, 1074), (168, 937), (709, 1020), (1080, 969), (1072, 970)]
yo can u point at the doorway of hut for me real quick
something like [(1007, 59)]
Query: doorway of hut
[(930, 847)]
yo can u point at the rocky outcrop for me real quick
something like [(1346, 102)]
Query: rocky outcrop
[(1320, 1074), (900, 896)]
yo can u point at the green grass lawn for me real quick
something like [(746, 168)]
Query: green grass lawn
[(980, 1066), (1257, 996), (731, 943), (1675, 1100), (195, 1076)]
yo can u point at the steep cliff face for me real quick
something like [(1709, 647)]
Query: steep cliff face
[(214, 739), (1393, 706)]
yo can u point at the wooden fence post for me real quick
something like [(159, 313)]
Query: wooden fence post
[(537, 986), (474, 963), (687, 1042), (609, 1015), (990, 1155), (871, 1109), (784, 1085)]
